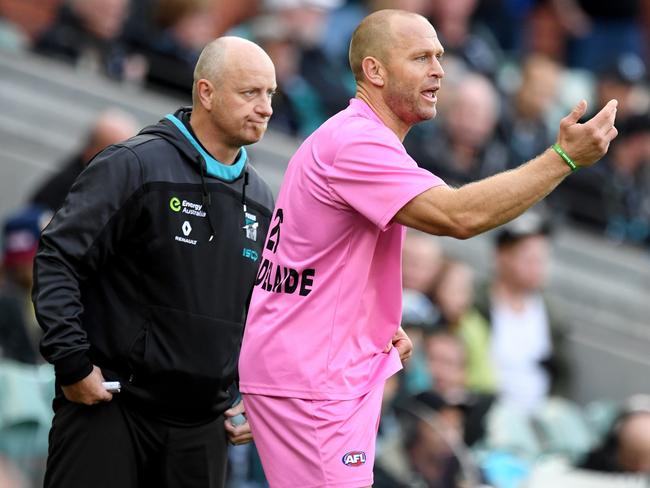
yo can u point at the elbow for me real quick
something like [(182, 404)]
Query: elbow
[(462, 233), (466, 226)]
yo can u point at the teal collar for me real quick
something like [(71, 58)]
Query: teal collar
[(226, 172)]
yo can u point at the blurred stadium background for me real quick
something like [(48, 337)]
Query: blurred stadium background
[(513, 69)]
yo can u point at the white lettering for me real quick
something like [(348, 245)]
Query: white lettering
[(185, 240), (195, 206), (198, 213)]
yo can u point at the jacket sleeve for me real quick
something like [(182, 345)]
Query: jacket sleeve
[(85, 231)]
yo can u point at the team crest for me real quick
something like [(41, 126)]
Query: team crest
[(250, 226)]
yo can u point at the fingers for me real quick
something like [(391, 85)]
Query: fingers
[(575, 115), (405, 355), (244, 439), (238, 434), (611, 133), (106, 396), (606, 117), (405, 348), (235, 410)]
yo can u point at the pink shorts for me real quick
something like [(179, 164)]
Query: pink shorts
[(316, 443)]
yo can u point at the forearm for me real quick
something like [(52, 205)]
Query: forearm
[(500, 198), (485, 204), (57, 304)]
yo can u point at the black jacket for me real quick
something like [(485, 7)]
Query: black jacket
[(146, 272), (52, 192)]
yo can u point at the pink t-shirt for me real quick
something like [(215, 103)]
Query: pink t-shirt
[(328, 293)]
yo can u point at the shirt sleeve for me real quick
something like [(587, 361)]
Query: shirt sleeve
[(81, 237), (375, 176)]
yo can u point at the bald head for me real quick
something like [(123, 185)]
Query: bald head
[(225, 55), (374, 36), (110, 127)]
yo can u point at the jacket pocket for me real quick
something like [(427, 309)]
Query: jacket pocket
[(179, 344)]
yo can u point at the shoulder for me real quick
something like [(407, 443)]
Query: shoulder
[(149, 151), (143, 144), (369, 139), (259, 190)]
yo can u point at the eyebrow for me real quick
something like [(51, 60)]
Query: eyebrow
[(428, 52)]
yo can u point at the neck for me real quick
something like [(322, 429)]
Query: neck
[(514, 297), (383, 111), (212, 139)]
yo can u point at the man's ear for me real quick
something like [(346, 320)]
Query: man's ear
[(373, 70), (205, 92)]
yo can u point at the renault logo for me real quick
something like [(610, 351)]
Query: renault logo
[(187, 228)]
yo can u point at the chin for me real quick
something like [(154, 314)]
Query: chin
[(252, 137), (426, 115), (431, 113)]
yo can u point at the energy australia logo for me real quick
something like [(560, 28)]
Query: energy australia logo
[(186, 229), (175, 204), (186, 207)]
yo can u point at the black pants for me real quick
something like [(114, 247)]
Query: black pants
[(111, 446)]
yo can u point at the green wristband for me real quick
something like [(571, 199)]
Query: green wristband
[(556, 147)]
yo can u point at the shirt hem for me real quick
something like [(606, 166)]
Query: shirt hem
[(284, 392)]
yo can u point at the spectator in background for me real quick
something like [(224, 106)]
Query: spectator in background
[(447, 361), (624, 79), (600, 30), (506, 19), (626, 448), (523, 127), (110, 127), (464, 149), (297, 106), (453, 294), (615, 199), (421, 261), (181, 28), (87, 33), (432, 438), (19, 331), (342, 21), (419, 318), (305, 21), (472, 43), (526, 338), (10, 475), (626, 189)]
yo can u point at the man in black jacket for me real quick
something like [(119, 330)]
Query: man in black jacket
[(144, 276)]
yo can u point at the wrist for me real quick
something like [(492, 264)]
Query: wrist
[(72, 368), (566, 158)]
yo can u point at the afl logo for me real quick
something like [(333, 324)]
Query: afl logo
[(354, 458)]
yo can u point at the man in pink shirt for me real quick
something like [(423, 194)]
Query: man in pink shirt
[(323, 333)]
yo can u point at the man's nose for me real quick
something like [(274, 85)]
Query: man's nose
[(264, 108)]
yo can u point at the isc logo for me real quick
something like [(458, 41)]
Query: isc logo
[(354, 458), (250, 254)]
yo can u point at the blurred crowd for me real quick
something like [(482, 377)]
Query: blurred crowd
[(513, 68), (485, 396)]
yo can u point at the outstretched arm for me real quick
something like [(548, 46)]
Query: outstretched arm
[(482, 205)]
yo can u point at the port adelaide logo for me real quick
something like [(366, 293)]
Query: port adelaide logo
[(354, 459)]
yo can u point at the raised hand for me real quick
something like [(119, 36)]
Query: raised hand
[(587, 143)]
